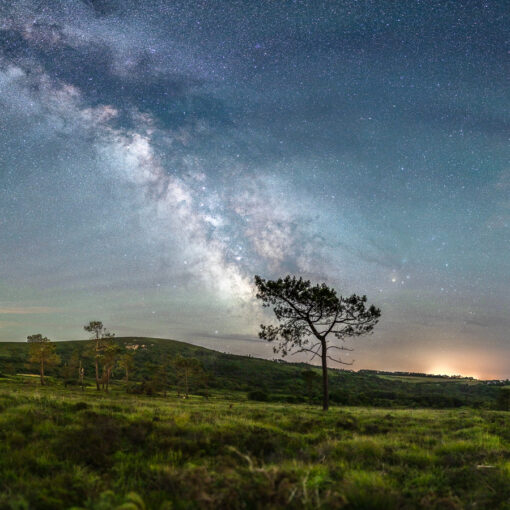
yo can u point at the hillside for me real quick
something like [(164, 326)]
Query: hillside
[(271, 380)]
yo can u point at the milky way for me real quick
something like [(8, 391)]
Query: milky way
[(154, 156)]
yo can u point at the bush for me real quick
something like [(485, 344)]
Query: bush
[(294, 399), (80, 406), (71, 382), (258, 395), (503, 401)]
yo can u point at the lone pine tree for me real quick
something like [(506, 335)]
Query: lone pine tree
[(310, 317), (100, 339)]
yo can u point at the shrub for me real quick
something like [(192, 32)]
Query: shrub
[(503, 401), (258, 395)]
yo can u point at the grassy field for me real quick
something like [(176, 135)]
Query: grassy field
[(62, 448)]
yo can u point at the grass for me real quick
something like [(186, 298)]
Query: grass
[(62, 448)]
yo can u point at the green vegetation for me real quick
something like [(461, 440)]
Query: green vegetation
[(64, 448), (239, 376)]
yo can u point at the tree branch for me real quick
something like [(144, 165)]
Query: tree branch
[(340, 361)]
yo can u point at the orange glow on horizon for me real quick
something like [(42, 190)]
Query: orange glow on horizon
[(446, 369)]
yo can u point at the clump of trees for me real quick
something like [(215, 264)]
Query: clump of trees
[(42, 353), (107, 356), (310, 317)]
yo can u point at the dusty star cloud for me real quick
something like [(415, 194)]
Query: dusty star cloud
[(154, 157)]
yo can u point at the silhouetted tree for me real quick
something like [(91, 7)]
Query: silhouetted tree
[(309, 315), (42, 352), (100, 337)]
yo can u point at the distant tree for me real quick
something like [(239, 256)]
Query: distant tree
[(100, 338), (186, 369), (109, 357), (127, 363), (309, 315), (70, 371), (160, 378), (38, 338), (156, 378), (310, 377), (42, 352)]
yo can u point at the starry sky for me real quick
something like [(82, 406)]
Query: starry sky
[(155, 155)]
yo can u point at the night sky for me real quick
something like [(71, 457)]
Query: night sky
[(156, 155)]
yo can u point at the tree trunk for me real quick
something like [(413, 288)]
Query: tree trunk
[(186, 380), (325, 390), (97, 374), (80, 375), (42, 371), (97, 362)]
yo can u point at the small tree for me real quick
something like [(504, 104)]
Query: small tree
[(127, 363), (100, 337), (109, 356), (309, 315), (160, 378), (186, 368), (70, 370), (42, 352)]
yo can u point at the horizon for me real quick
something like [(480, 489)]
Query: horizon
[(155, 158)]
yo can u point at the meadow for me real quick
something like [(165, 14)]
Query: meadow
[(67, 448)]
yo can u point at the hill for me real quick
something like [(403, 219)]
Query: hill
[(265, 379)]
